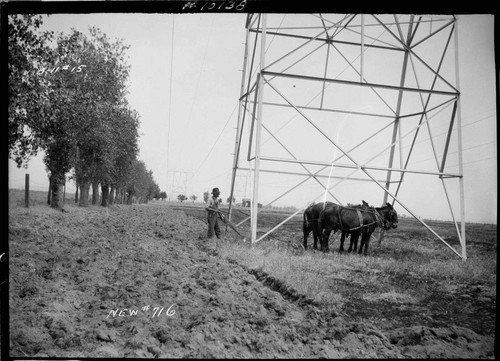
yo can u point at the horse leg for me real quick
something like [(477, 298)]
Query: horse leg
[(342, 239), (306, 229), (324, 239), (315, 236), (367, 242), (351, 243), (361, 243), (317, 227), (365, 239), (354, 241)]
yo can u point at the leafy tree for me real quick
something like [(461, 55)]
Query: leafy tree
[(101, 89), (67, 112), (140, 183), (125, 136), (27, 91), (152, 188), (193, 197), (229, 199), (206, 195), (163, 195), (182, 197), (38, 118)]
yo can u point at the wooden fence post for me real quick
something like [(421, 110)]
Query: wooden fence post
[(27, 191)]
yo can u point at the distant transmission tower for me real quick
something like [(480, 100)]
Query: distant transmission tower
[(179, 183), (240, 188)]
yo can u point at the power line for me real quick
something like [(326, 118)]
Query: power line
[(475, 161), (480, 160), (480, 119), (195, 97), (218, 175), (446, 132), (465, 149), (211, 149), (477, 146), (170, 94)]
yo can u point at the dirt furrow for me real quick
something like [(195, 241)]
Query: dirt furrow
[(143, 282)]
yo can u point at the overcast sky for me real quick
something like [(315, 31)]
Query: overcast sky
[(185, 82)]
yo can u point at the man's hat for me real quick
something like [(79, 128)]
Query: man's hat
[(215, 190)]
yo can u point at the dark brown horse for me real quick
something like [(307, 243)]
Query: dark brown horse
[(353, 234), (353, 220), (311, 221), (389, 221)]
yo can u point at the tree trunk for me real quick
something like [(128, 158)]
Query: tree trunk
[(129, 198), (105, 194), (111, 196), (76, 193), (57, 182), (84, 194), (95, 193), (49, 195)]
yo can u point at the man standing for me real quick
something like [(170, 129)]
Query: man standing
[(213, 213)]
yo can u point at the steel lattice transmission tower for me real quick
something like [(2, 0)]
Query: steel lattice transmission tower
[(179, 183), (352, 98)]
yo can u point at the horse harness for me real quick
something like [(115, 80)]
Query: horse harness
[(378, 218), (360, 218)]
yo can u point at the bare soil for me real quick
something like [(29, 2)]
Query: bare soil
[(142, 281)]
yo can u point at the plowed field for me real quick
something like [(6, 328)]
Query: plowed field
[(142, 281)]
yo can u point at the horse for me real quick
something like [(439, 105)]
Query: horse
[(389, 221), (354, 234), (353, 220), (311, 221)]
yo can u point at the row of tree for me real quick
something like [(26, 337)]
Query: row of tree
[(206, 195), (67, 98)]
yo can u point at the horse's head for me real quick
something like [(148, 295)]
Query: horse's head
[(389, 216)]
